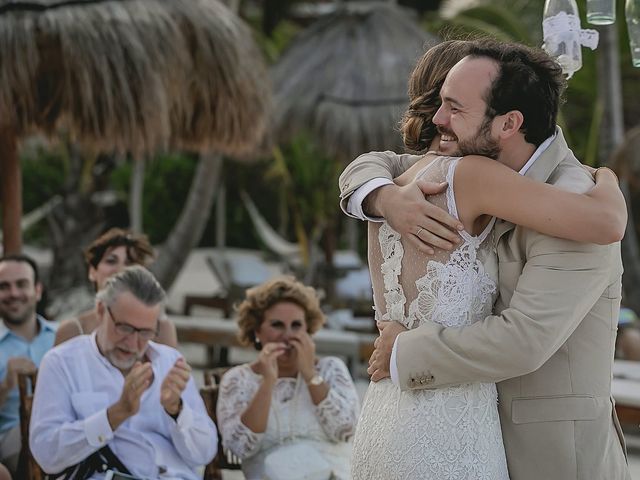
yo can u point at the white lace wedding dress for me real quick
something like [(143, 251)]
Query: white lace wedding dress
[(447, 433)]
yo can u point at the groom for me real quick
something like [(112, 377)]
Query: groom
[(549, 347)]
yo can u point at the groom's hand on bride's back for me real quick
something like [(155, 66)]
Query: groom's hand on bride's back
[(410, 213)]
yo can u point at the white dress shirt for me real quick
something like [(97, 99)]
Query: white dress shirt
[(76, 384), (354, 208)]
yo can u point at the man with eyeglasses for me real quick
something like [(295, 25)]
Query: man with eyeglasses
[(118, 399)]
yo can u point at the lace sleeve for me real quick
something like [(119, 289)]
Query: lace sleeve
[(237, 388), (338, 413)]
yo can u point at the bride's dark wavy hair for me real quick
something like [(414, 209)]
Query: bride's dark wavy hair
[(425, 82)]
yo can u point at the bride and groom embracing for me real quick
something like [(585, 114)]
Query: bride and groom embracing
[(496, 342)]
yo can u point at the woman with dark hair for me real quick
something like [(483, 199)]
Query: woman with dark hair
[(107, 255), (287, 403)]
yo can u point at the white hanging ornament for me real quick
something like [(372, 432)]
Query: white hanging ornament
[(563, 37)]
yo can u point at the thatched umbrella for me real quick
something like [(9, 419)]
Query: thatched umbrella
[(125, 75), (345, 78)]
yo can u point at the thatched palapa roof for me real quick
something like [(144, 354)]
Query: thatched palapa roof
[(345, 78), (132, 75)]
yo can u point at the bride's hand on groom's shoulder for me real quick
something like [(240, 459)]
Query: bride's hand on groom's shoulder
[(379, 363)]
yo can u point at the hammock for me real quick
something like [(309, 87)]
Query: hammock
[(272, 239)]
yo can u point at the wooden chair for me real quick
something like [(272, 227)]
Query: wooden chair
[(209, 393), (28, 468)]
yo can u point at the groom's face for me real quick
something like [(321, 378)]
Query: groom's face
[(461, 120)]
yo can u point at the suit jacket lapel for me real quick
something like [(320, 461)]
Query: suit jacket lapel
[(540, 171), (550, 159)]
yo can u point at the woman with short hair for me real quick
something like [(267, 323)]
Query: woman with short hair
[(287, 398)]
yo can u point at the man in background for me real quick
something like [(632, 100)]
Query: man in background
[(25, 337)]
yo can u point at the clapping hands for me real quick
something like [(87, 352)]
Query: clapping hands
[(173, 385), (135, 383), (138, 380)]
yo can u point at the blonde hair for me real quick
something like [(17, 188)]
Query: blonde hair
[(425, 82), (250, 313)]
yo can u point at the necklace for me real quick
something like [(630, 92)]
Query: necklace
[(294, 411)]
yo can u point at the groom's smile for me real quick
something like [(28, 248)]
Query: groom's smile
[(462, 119)]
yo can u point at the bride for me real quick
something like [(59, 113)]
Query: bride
[(454, 432)]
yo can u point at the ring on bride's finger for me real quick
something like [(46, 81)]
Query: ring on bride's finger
[(418, 232)]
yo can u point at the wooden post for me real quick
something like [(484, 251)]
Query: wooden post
[(611, 137), (136, 192), (10, 191)]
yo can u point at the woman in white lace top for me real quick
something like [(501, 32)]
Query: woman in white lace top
[(287, 396)]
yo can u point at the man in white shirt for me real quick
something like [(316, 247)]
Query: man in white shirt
[(117, 388)]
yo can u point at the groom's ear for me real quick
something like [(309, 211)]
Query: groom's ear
[(511, 122)]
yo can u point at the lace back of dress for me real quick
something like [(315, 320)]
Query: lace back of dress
[(413, 287)]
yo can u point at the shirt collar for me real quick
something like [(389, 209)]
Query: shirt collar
[(4, 331), (543, 146), (151, 353), (44, 325)]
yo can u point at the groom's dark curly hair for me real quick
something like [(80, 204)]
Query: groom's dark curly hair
[(528, 80)]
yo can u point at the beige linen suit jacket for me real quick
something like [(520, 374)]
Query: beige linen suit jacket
[(549, 346)]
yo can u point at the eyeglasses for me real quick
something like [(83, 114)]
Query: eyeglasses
[(126, 329)]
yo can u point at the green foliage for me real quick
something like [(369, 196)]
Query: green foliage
[(492, 20), (308, 181), (310, 176), (43, 175), (238, 176), (166, 186), (281, 37), (44, 171)]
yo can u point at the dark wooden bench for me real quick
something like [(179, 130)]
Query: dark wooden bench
[(209, 392), (28, 468)]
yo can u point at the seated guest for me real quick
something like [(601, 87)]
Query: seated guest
[(118, 398), (287, 397), (24, 339), (106, 256)]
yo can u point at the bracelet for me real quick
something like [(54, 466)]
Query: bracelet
[(315, 380), (612, 172)]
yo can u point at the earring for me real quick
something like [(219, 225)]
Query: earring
[(256, 343)]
